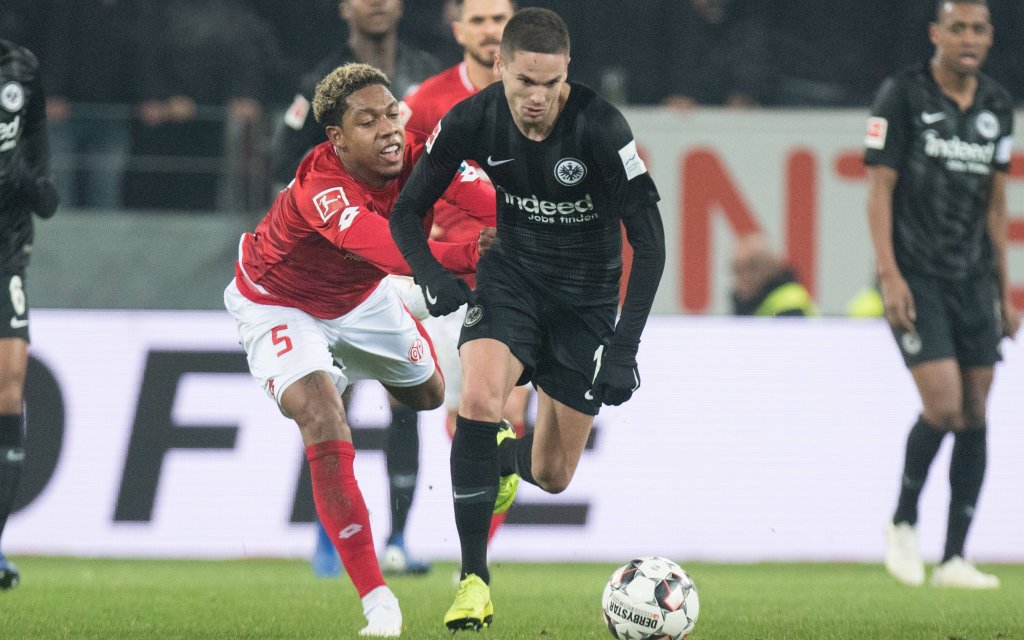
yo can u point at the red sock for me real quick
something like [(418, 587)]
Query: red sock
[(497, 519), (339, 503)]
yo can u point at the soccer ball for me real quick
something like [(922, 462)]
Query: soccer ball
[(650, 598)]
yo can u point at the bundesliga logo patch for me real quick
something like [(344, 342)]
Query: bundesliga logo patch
[(877, 129)]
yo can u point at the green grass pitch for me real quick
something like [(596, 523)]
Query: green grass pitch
[(81, 599)]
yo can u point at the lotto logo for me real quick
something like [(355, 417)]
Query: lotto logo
[(350, 531), (416, 351)]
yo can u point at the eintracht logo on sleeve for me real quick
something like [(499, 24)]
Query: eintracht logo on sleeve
[(12, 96)]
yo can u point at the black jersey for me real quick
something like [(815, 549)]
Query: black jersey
[(22, 147), (945, 157), (559, 201)]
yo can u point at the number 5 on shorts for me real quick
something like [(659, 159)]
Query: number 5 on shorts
[(277, 337)]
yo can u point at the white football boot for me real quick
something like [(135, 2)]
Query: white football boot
[(961, 574), (383, 617), (902, 557)]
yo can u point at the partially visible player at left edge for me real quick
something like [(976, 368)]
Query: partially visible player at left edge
[(25, 188)]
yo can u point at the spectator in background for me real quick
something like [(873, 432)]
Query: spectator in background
[(719, 55), (25, 188), (372, 39), (209, 55), (763, 284), (829, 54), (93, 57), (427, 25), (938, 150), (866, 303), (25, 22)]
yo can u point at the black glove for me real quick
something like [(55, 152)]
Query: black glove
[(616, 377), (44, 199), (20, 189), (443, 291)]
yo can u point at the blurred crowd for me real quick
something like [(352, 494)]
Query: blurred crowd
[(172, 104)]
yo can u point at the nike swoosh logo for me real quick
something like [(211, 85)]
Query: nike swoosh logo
[(588, 395), (462, 496), (932, 118), (19, 324), (426, 294), (15, 456), (491, 162)]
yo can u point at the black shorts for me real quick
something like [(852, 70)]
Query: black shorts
[(13, 306), (959, 320), (556, 338)]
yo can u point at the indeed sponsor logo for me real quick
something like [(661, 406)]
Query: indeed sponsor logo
[(9, 130), (957, 149), (545, 210)]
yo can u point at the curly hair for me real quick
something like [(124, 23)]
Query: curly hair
[(330, 100)]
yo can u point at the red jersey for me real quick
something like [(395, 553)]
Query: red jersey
[(425, 106), (423, 109), (325, 244)]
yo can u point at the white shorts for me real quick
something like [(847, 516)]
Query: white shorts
[(444, 332), (378, 340)]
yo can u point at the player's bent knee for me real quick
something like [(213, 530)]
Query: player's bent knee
[(320, 422), (945, 419), (552, 482)]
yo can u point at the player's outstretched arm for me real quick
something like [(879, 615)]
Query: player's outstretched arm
[(443, 291)]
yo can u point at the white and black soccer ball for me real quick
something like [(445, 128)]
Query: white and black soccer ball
[(650, 598)]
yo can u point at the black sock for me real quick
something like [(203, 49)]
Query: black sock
[(12, 456), (516, 456), (922, 445), (474, 467), (403, 462), (966, 472)]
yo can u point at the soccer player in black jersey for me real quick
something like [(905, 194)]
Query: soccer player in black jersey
[(938, 151), (25, 188), (565, 167)]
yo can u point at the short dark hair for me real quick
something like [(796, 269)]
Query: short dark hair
[(330, 100), (942, 3), (535, 30), (459, 3)]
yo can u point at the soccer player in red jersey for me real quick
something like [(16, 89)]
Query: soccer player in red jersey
[(315, 309)]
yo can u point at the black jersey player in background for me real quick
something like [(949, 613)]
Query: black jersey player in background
[(566, 171), (25, 187), (938, 151)]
